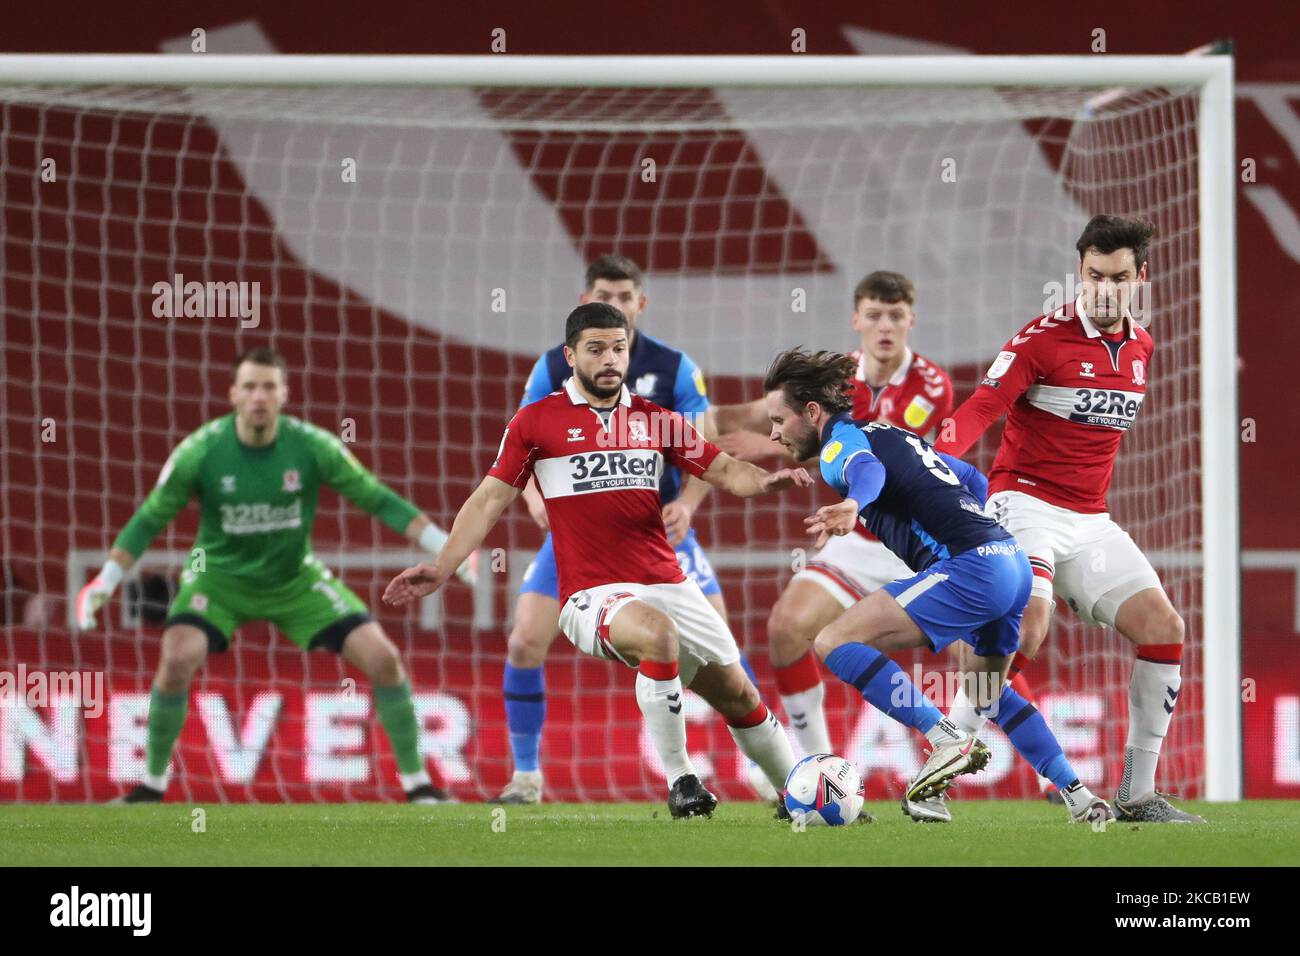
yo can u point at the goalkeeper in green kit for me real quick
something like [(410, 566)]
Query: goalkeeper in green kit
[(257, 475)]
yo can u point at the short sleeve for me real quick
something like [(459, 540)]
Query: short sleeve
[(514, 461), (539, 383), (687, 448), (690, 396)]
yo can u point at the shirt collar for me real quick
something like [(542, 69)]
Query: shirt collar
[(897, 378), (575, 396), (1092, 331), (830, 424)]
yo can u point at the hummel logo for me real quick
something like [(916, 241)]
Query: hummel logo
[(1087, 371), (575, 434), (676, 699), (228, 484), (1173, 696)]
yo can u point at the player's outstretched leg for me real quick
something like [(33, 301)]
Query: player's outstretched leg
[(1033, 630), (1150, 622), (368, 648), (1034, 740), (537, 622), (184, 649), (854, 648), (800, 613), (732, 693), (646, 638)]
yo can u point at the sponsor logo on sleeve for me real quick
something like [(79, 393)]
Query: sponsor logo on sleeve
[(832, 451), (698, 378), (1000, 365)]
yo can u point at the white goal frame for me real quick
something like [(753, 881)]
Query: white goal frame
[(1212, 76)]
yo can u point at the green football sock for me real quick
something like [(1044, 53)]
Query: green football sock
[(397, 714), (166, 718)]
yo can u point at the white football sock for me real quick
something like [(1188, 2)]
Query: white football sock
[(661, 703), (767, 745), (155, 783), (945, 732), (808, 719), (1152, 692), (963, 712), (1077, 798), (410, 781)]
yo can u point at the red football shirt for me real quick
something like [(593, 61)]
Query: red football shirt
[(918, 396), (1069, 392), (600, 481)]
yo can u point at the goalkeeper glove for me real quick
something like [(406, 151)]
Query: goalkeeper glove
[(432, 538), (93, 596)]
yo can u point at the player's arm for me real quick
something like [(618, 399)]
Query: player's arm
[(539, 385), (173, 491), (473, 522), (746, 480), (974, 480), (744, 430), (505, 480), (692, 453), (690, 399), (856, 474), (341, 470), (1012, 372)]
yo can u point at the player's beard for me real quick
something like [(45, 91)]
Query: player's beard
[(600, 391), (806, 445)]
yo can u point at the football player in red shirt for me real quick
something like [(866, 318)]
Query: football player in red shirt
[(892, 384), (597, 452), (1071, 383)]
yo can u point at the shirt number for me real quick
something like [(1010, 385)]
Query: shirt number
[(933, 463)]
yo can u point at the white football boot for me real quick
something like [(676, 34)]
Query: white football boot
[(525, 787)]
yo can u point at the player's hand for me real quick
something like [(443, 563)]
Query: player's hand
[(537, 511), (414, 583), (787, 478), (90, 599), (748, 446), (677, 521), (832, 519)]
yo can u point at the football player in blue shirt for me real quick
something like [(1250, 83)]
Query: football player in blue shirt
[(668, 378), (971, 584)]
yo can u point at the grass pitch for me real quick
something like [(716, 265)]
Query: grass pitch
[(1004, 833)]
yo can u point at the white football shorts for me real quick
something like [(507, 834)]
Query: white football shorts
[(1087, 559), (852, 566), (703, 637)]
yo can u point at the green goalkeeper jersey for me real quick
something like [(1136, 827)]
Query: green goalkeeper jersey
[(257, 504)]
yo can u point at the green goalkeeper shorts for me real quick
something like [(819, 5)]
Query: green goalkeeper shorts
[(313, 609)]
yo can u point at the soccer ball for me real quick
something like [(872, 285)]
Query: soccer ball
[(825, 789)]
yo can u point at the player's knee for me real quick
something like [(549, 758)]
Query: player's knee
[(827, 639), (789, 634), (526, 647), (1165, 628), (385, 668), (181, 656), (658, 639)]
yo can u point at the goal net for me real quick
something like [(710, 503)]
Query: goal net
[(411, 251)]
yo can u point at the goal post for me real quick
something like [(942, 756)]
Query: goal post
[(910, 98)]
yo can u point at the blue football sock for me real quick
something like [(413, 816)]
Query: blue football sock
[(883, 684), (525, 693), (1032, 738)]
